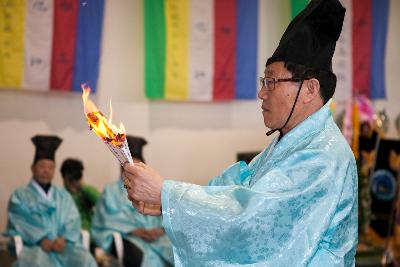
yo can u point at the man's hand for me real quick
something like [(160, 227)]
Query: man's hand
[(144, 234), (157, 232), (59, 244), (143, 184), (149, 235), (46, 245), (145, 208)]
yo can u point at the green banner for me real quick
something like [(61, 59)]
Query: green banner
[(154, 31), (297, 6)]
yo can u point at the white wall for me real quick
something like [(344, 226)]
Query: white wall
[(187, 141)]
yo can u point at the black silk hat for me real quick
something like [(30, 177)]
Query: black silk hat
[(46, 146), (310, 38)]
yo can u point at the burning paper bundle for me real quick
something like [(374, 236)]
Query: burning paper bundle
[(112, 136)]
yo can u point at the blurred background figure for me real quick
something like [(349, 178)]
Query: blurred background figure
[(144, 239), (85, 196), (45, 216)]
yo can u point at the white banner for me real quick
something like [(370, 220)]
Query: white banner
[(201, 50), (38, 44), (342, 62)]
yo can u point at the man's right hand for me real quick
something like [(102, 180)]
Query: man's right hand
[(157, 232), (145, 234), (59, 244), (46, 245)]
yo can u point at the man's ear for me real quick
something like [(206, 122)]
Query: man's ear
[(312, 90)]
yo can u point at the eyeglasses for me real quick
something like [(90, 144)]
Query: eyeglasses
[(270, 83)]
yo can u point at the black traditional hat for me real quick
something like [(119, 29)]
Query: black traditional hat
[(46, 146), (136, 146), (310, 38)]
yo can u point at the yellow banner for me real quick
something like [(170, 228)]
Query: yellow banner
[(12, 21), (176, 66)]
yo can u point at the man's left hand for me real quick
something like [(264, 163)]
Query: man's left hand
[(144, 186)]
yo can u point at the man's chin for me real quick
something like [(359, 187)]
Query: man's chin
[(44, 181), (268, 124)]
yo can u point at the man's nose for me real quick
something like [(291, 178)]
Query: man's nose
[(262, 94)]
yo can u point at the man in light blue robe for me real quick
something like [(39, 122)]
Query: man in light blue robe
[(45, 216), (115, 213), (295, 204)]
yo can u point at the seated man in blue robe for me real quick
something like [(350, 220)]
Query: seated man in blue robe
[(46, 217), (144, 240), (295, 204)]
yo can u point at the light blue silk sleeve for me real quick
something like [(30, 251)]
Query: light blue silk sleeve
[(25, 220), (279, 221), (69, 224), (115, 213), (108, 218), (34, 219), (237, 174)]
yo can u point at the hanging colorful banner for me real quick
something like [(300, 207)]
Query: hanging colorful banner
[(201, 50), (50, 44)]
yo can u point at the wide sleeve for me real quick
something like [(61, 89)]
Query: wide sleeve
[(237, 174), (112, 215), (70, 223), (24, 220), (278, 221)]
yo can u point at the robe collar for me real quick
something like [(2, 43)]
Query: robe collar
[(304, 131), (48, 196)]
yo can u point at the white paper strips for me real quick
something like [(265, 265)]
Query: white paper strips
[(122, 153)]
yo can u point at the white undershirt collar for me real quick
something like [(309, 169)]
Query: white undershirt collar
[(47, 196)]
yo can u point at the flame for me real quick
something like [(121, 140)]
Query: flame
[(104, 128)]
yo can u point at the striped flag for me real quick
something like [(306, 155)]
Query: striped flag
[(50, 44), (12, 44), (201, 50), (370, 20)]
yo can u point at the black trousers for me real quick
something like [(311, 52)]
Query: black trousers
[(133, 255)]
